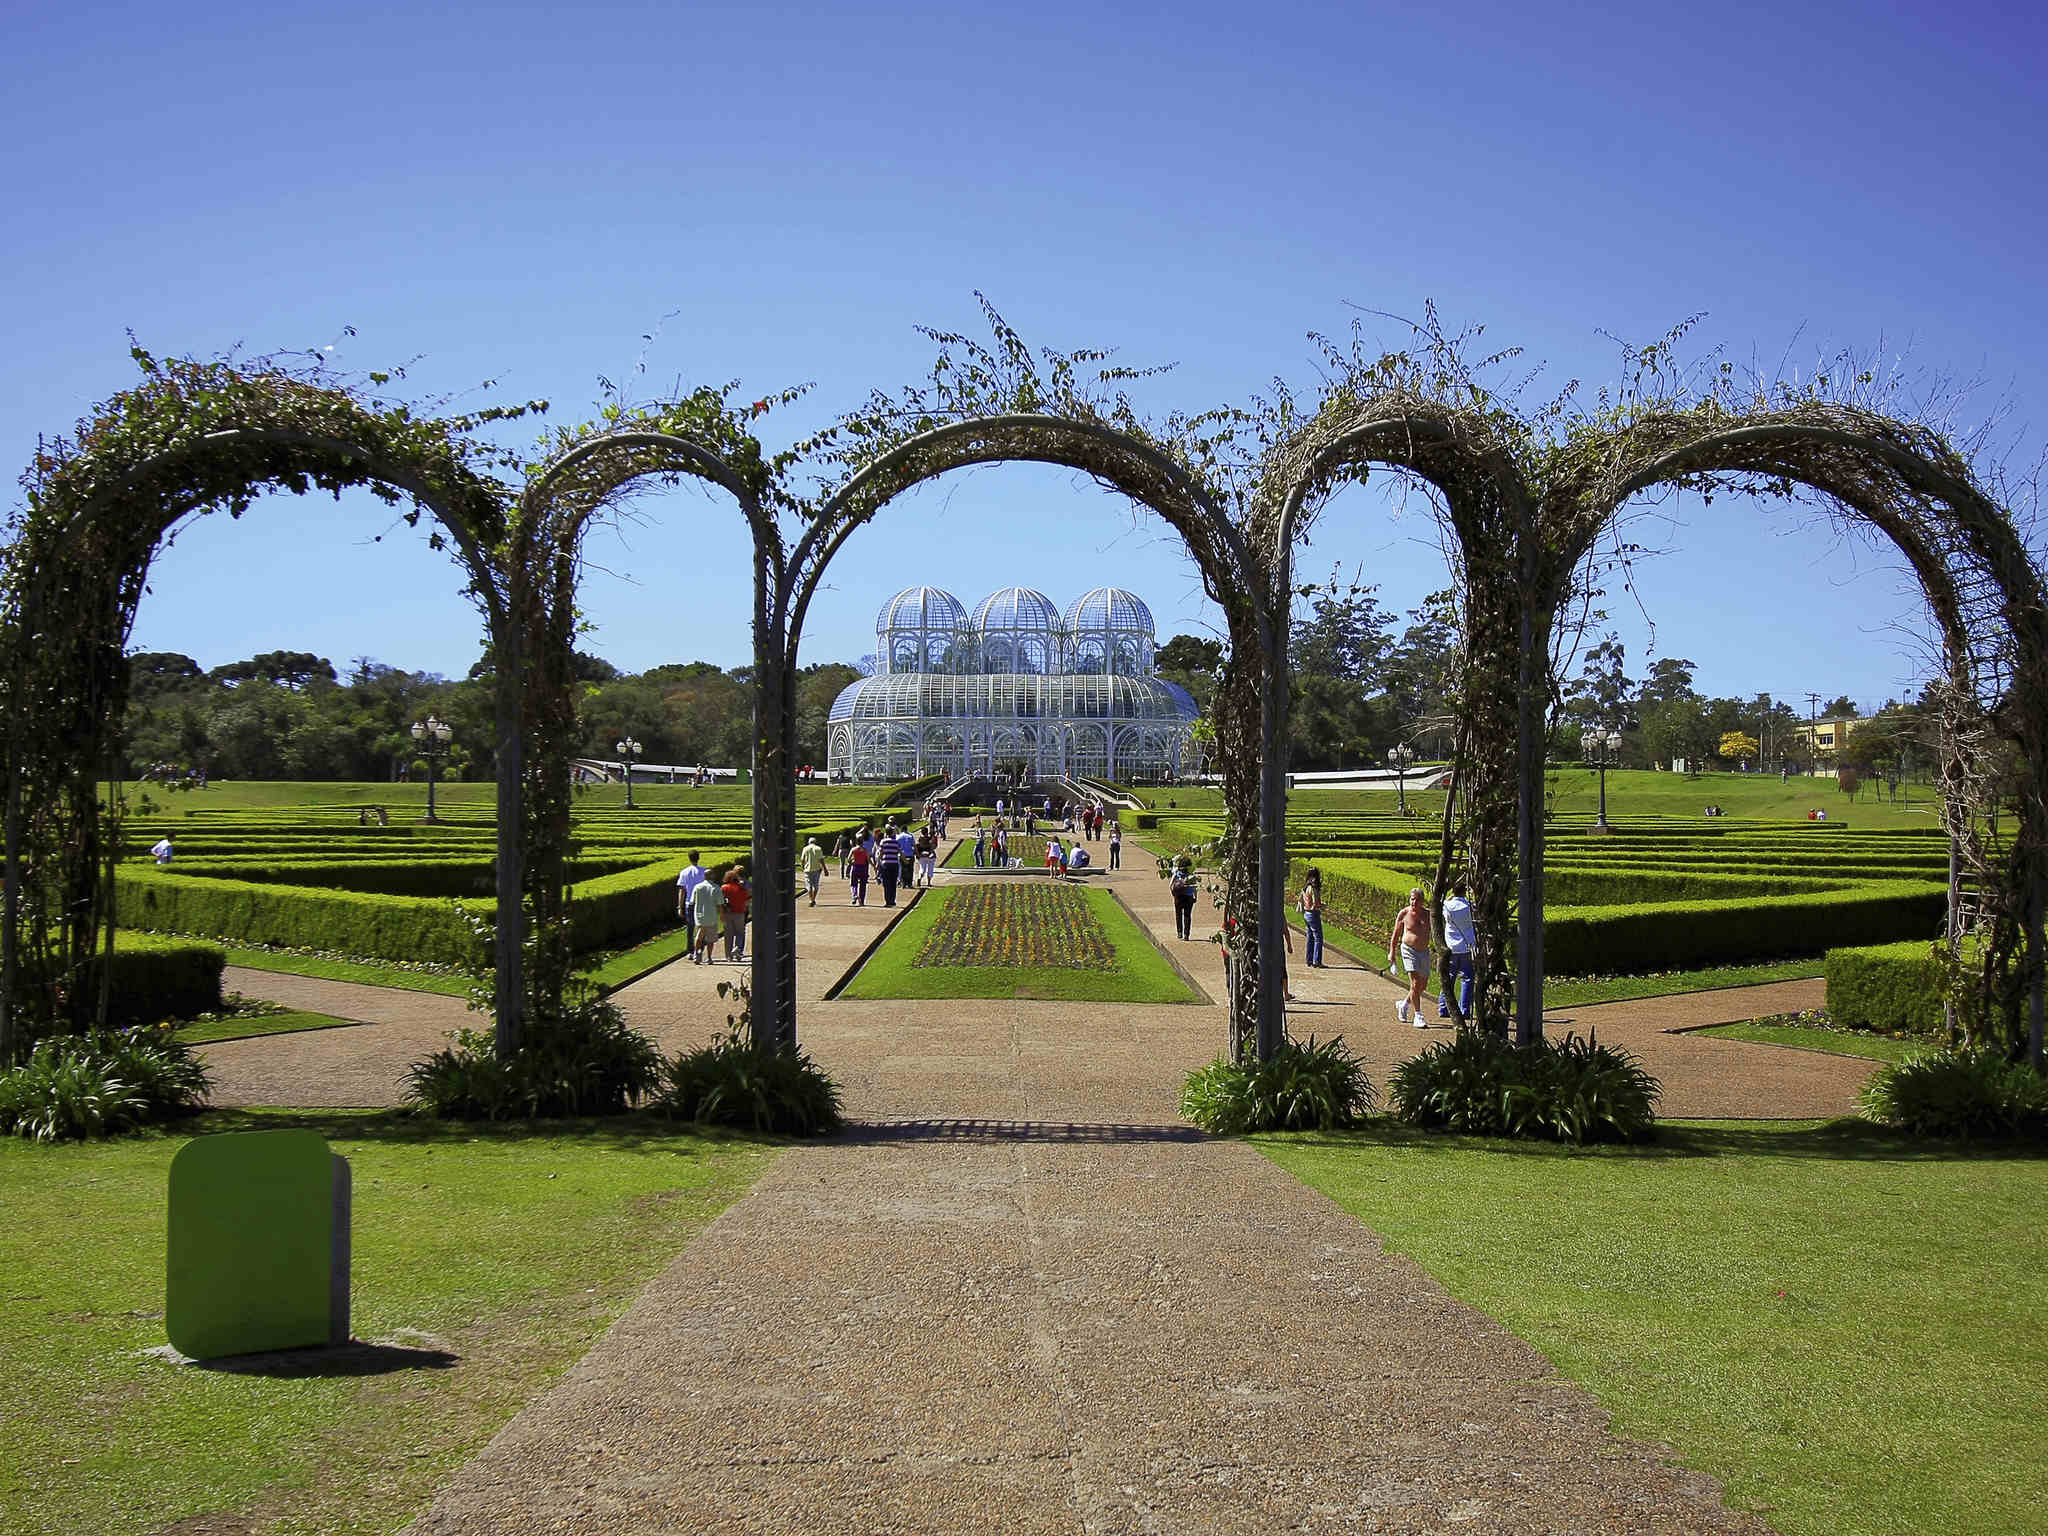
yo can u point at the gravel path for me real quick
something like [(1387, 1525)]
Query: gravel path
[(1021, 1297)]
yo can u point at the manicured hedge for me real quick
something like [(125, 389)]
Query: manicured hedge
[(160, 981), (296, 917), (1891, 987), (1664, 936)]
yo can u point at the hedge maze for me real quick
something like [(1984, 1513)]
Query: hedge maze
[(1660, 894), (313, 877)]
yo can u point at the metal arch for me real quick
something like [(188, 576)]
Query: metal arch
[(829, 531)]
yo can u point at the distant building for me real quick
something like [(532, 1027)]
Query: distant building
[(1824, 739), (1015, 687)]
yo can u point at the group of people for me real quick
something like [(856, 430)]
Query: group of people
[(711, 908), (372, 814), (893, 857)]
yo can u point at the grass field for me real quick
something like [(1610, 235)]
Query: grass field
[(1837, 1042), (212, 1031), (486, 1260), (1840, 1325), (1135, 971), (1630, 792)]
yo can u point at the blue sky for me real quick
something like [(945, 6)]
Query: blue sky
[(782, 194)]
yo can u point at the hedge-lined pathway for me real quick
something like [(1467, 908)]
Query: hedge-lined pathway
[(1022, 1298)]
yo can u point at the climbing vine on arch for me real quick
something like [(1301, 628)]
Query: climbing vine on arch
[(193, 436)]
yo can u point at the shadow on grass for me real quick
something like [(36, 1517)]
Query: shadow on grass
[(355, 1358), (618, 1133), (1847, 1140)]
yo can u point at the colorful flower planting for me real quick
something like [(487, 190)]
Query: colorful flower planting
[(1029, 923)]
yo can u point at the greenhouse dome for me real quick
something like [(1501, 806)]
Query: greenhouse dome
[(1019, 630), (1109, 630), (1039, 695), (923, 629)]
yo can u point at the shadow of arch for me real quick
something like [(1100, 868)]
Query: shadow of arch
[(195, 437)]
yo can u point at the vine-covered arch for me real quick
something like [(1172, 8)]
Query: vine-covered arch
[(1147, 472), (1907, 482), (193, 437), (1470, 459), (586, 472)]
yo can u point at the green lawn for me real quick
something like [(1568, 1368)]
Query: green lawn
[(507, 1249), (1577, 991), (1138, 973), (214, 1030), (1841, 1325), (1840, 1042)]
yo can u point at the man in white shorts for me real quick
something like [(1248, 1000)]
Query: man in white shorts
[(1410, 939)]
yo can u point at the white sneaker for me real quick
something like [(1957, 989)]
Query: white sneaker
[(1420, 1022), (1401, 1010)]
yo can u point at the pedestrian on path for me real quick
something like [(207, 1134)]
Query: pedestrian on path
[(840, 850), (706, 898), (888, 865), (1116, 845), (1461, 945), (1183, 886), (927, 857), (812, 862), (686, 886), (1312, 919), (858, 863), (737, 895), (1410, 941), (980, 844)]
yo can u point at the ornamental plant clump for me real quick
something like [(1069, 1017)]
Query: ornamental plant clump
[(1552, 1090), (74, 1087), (1959, 1094), (1313, 1087), (588, 1061), (769, 1090)]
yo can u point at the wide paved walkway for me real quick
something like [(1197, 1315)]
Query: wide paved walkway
[(1022, 1298)]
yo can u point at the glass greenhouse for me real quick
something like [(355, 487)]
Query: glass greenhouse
[(1016, 687)]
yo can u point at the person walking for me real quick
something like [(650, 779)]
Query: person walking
[(706, 898), (163, 852), (686, 886), (888, 866), (928, 857), (1183, 884), (812, 862), (840, 850), (737, 895), (906, 849), (858, 863), (1312, 919), (980, 844), (1055, 858), (1461, 947), (1410, 940), (1116, 845)]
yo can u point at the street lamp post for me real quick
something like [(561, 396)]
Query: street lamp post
[(432, 736), (1401, 756), (629, 752), (1609, 743)]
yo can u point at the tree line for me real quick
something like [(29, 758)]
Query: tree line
[(290, 715)]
